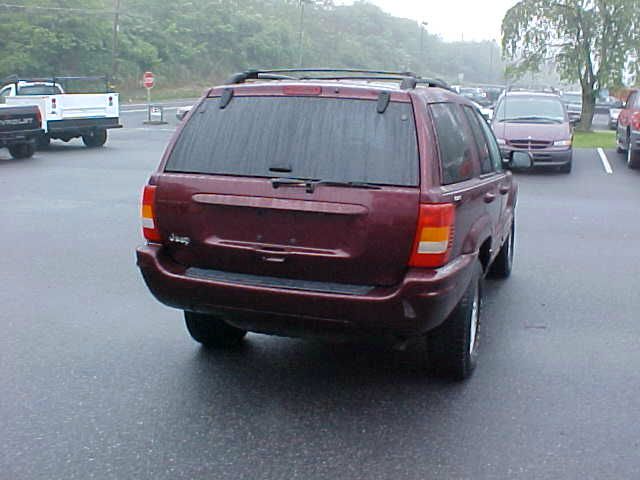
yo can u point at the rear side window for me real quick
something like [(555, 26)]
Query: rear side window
[(492, 143), (453, 143), (312, 138), (486, 164)]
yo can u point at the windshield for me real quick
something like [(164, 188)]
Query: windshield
[(311, 138), (530, 109), (572, 98)]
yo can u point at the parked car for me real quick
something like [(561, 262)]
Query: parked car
[(614, 113), (66, 115), (331, 208), (486, 112), (536, 123), (19, 129), (628, 132), (181, 112), (476, 95), (573, 104)]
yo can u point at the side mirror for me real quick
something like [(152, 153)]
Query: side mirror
[(574, 121), (518, 160)]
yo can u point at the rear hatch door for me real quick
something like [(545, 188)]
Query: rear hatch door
[(308, 188)]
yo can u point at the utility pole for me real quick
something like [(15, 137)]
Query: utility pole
[(300, 39), (491, 46), (421, 58), (114, 44)]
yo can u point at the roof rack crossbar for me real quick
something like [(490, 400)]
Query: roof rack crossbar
[(408, 80)]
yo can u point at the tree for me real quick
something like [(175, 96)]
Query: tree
[(590, 41)]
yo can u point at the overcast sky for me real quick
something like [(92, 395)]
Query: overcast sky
[(451, 19)]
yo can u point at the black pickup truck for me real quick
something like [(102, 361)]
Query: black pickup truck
[(19, 129)]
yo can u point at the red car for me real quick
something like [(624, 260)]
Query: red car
[(331, 207), (536, 123), (628, 133)]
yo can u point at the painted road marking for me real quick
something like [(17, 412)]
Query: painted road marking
[(145, 129), (605, 161), (140, 110)]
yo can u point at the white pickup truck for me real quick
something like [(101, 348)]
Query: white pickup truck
[(67, 114)]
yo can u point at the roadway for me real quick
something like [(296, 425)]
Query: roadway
[(98, 380)]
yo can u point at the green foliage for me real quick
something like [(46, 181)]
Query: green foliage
[(593, 42), (187, 41)]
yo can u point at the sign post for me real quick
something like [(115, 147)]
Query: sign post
[(148, 80), (155, 113)]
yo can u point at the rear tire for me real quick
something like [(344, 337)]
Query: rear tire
[(22, 150), (453, 346), (212, 331), (95, 138), (502, 265), (633, 157)]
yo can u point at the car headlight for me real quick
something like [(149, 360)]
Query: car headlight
[(562, 143), (501, 141)]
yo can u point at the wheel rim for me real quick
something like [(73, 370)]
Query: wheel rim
[(510, 250), (473, 324)]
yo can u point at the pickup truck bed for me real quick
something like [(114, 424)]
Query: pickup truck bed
[(19, 129)]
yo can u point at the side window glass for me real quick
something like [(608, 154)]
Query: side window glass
[(453, 143), (484, 155), (492, 143)]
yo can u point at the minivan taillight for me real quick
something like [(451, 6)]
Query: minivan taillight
[(434, 235), (149, 224)]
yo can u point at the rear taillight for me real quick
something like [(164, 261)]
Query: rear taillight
[(39, 117), (111, 101), (149, 224), (54, 104), (635, 121), (434, 235)]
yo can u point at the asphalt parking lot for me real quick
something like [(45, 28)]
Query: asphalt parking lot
[(98, 380)]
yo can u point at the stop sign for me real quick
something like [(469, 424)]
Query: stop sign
[(148, 80)]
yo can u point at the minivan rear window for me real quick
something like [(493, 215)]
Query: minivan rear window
[(333, 139)]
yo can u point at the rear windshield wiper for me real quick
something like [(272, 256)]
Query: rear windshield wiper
[(530, 118), (329, 183), (311, 184)]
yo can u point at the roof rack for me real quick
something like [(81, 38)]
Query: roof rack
[(408, 80), (15, 79)]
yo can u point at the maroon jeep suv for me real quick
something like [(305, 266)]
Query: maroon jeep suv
[(334, 204)]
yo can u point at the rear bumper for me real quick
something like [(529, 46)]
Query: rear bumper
[(12, 138), (546, 157), (80, 126), (421, 302)]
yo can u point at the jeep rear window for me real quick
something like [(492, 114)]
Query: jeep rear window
[(342, 140)]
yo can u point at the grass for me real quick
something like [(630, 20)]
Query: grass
[(599, 139)]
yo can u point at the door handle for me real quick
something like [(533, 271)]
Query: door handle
[(504, 189), (489, 197)]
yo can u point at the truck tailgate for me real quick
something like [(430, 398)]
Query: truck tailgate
[(71, 106)]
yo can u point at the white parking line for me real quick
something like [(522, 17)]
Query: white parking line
[(605, 161), (146, 129), (139, 110)]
